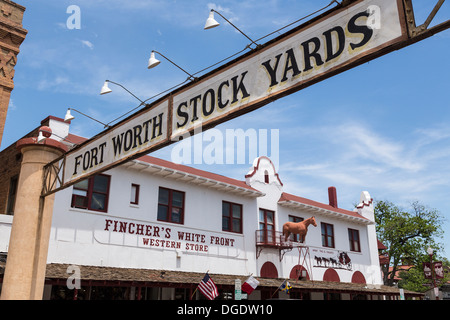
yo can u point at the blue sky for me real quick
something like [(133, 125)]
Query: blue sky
[(381, 127)]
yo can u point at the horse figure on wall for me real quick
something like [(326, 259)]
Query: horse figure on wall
[(300, 228)]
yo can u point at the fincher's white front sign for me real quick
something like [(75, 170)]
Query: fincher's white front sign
[(338, 41)]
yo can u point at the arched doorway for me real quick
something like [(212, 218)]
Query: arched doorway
[(268, 270), (358, 277), (296, 273), (331, 275)]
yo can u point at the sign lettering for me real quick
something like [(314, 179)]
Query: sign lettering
[(325, 46)]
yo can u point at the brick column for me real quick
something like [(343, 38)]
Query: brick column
[(12, 34), (30, 232)]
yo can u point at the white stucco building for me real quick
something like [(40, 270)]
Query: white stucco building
[(150, 229)]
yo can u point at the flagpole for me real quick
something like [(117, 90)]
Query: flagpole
[(194, 292), (277, 289)]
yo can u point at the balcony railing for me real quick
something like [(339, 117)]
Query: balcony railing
[(275, 240)]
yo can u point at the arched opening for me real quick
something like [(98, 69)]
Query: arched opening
[(299, 272), (268, 270), (358, 277), (331, 275)]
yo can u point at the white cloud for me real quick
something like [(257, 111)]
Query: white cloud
[(88, 44)]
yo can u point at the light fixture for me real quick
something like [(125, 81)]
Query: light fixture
[(430, 251), (41, 137), (212, 23), (153, 62), (105, 88), (69, 117)]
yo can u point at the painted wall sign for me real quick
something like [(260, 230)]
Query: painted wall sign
[(329, 44), (166, 237), (324, 258)]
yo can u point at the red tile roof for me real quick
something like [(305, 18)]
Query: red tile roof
[(286, 197)]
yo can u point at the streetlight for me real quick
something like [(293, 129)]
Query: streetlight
[(105, 89), (153, 62), (69, 117), (212, 23), (433, 274)]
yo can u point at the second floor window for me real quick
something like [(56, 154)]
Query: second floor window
[(327, 235), (266, 226), (170, 205), (231, 217), (353, 238), (92, 193), (295, 237), (134, 196)]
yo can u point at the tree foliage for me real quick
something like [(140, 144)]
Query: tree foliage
[(406, 234)]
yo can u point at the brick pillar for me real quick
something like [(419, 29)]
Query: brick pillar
[(28, 245), (11, 37)]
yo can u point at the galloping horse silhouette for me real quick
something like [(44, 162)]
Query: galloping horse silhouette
[(300, 228)]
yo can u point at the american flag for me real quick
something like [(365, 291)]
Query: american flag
[(208, 287)]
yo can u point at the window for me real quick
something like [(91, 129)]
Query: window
[(327, 235), (266, 176), (231, 217), (12, 195), (134, 196), (267, 226), (353, 239), (295, 237), (170, 205), (92, 194)]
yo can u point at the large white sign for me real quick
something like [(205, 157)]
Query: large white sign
[(297, 60), (139, 133), (321, 48)]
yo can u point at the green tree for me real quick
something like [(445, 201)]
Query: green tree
[(406, 234)]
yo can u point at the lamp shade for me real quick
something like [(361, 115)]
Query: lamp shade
[(211, 22), (153, 62), (41, 137), (105, 88), (68, 116)]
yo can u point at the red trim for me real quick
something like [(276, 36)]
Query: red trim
[(296, 272), (255, 168), (365, 204), (331, 275), (268, 270), (47, 142), (46, 120), (358, 277), (290, 197)]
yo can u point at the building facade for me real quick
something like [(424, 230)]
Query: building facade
[(150, 229)]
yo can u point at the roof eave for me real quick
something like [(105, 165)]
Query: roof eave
[(316, 210), (192, 178)]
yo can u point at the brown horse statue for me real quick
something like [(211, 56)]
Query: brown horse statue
[(300, 228)]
